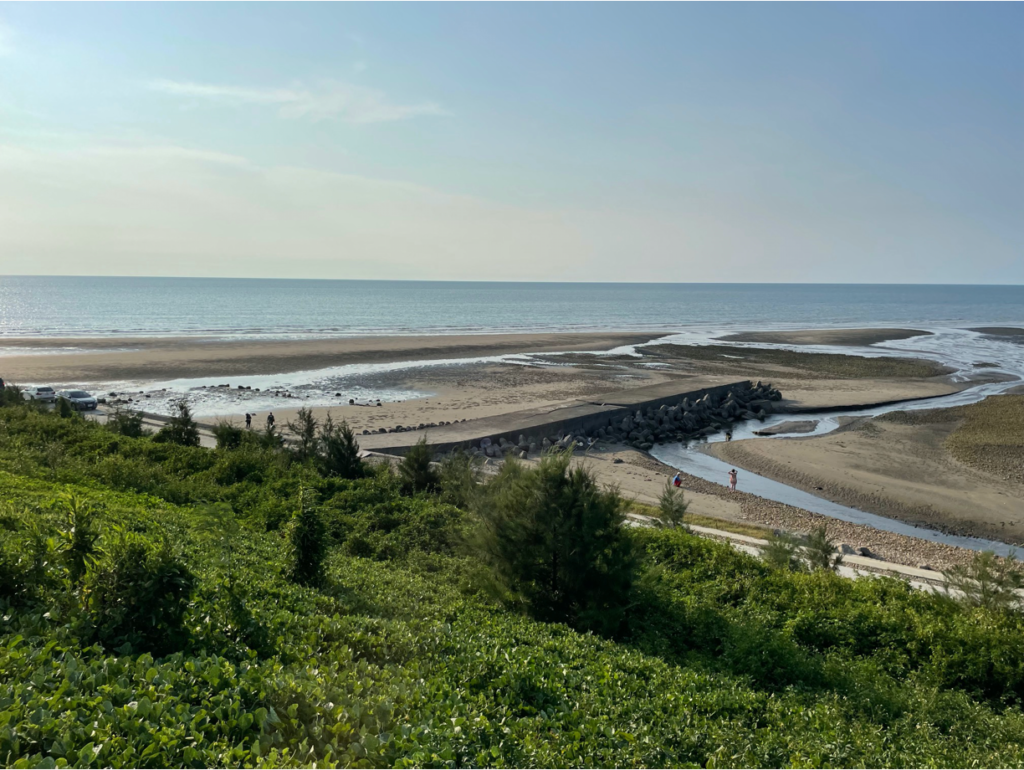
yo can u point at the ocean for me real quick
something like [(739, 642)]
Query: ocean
[(275, 309)]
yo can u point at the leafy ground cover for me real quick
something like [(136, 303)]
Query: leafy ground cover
[(176, 638)]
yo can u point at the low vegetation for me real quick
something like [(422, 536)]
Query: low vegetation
[(165, 605), (797, 363), (988, 435)]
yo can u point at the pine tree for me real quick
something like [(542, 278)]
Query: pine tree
[(672, 506), (338, 451), (415, 471), (181, 428), (305, 431), (555, 540)]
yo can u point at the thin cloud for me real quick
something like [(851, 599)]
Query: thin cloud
[(332, 99), (6, 40)]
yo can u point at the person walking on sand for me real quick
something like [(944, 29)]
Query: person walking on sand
[(677, 481), (270, 421), (248, 421), (732, 480)]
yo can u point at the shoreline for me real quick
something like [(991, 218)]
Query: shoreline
[(148, 360)]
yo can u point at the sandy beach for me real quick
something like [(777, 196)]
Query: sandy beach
[(107, 359)]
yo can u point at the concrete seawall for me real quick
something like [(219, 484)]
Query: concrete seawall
[(572, 417)]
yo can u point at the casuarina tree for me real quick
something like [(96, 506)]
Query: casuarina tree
[(338, 451), (180, 428), (555, 540)]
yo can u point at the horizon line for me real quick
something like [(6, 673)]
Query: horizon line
[(540, 281)]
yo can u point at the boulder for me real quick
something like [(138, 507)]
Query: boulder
[(866, 552), (847, 549)]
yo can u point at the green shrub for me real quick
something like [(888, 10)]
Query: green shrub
[(820, 550), (338, 451), (10, 395), (228, 436), (671, 505), (136, 594), (304, 430), (459, 478), (988, 581), (65, 409), (78, 536), (309, 544), (416, 471), (126, 423), (782, 552), (180, 429), (555, 540)]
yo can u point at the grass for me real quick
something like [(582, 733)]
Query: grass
[(696, 519), (404, 656), (809, 364)]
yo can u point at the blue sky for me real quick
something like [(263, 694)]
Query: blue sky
[(613, 142)]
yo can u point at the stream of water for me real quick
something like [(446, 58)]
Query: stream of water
[(956, 348)]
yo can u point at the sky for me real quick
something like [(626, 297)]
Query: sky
[(798, 142)]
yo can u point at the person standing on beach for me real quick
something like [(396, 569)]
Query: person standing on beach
[(732, 480), (270, 421), (248, 421), (677, 481)]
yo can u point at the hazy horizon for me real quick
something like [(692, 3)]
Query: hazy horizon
[(510, 281), (591, 143)]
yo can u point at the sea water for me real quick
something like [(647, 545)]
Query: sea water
[(280, 309)]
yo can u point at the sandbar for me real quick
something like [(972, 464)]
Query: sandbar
[(151, 359), (845, 337)]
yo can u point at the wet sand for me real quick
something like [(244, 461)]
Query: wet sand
[(105, 360), (851, 337), (931, 468)]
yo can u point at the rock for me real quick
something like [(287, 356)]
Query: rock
[(545, 444), (847, 549), (484, 443), (928, 567), (366, 432), (866, 552), (617, 461), (523, 455)]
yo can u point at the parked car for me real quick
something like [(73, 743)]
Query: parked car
[(79, 399), (42, 393)]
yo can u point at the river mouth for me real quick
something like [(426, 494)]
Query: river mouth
[(969, 348)]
